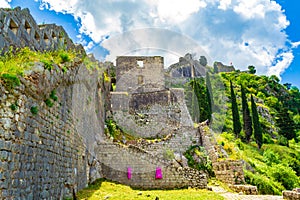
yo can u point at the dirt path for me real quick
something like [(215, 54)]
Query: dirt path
[(236, 196)]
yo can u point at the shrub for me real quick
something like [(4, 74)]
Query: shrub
[(47, 64), (198, 159), (64, 57), (282, 140), (53, 95), (270, 157), (285, 175), (10, 81), (34, 110), (49, 103), (13, 107), (264, 184), (168, 154), (267, 139)]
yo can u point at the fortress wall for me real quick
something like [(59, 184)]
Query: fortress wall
[(48, 152), (18, 29)]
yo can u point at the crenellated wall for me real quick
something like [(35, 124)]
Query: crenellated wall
[(18, 29)]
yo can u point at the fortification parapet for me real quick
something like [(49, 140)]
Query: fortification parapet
[(18, 29)]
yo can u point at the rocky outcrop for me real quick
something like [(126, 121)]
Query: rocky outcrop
[(186, 68)]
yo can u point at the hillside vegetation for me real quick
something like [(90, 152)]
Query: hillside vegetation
[(269, 145)]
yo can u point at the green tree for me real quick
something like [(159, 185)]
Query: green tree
[(201, 103), (246, 115), (235, 113), (251, 69), (286, 124), (210, 93), (256, 124), (209, 104)]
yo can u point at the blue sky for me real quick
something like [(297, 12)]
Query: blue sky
[(263, 33)]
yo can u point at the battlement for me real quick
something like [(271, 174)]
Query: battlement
[(18, 29)]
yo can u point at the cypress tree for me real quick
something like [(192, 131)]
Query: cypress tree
[(201, 102), (237, 127), (286, 124), (247, 126), (209, 104), (209, 88), (256, 124)]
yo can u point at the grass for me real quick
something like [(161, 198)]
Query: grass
[(16, 63), (103, 189)]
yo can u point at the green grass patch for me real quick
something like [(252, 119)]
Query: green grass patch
[(103, 189), (16, 62)]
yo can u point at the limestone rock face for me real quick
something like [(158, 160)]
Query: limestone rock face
[(187, 67)]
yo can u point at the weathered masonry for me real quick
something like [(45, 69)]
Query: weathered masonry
[(18, 29), (47, 152), (142, 104), (145, 108)]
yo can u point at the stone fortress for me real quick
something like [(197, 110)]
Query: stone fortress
[(59, 150)]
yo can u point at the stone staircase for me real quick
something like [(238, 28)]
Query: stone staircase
[(115, 159)]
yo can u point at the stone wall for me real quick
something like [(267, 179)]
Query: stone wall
[(220, 67), (150, 114), (229, 171), (139, 74), (226, 170), (48, 152), (244, 189), (116, 159), (141, 101), (18, 29), (177, 143), (291, 195)]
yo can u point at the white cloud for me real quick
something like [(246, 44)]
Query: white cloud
[(224, 4), (250, 9), (176, 11), (240, 31), (295, 44), (151, 41), (285, 59), (5, 3)]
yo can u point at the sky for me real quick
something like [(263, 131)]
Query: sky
[(263, 33)]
